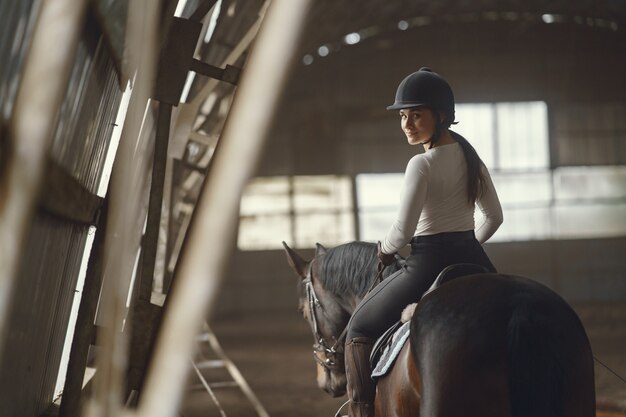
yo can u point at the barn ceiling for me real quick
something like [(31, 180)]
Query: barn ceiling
[(331, 20)]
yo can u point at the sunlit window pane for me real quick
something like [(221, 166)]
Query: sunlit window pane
[(522, 135), (476, 124), (378, 190), (263, 232), (374, 225), (302, 210), (586, 183), (322, 192), (266, 195), (326, 228), (523, 188), (378, 197), (590, 220), (524, 224)]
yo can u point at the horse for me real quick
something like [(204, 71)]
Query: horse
[(484, 344)]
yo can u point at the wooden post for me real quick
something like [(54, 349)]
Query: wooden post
[(211, 237), (124, 215), (149, 242)]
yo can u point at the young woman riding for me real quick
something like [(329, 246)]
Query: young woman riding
[(436, 216)]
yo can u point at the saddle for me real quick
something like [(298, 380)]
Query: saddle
[(455, 271), (384, 343)]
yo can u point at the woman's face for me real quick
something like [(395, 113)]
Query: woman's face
[(418, 124)]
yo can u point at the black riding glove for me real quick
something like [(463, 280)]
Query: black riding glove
[(385, 259)]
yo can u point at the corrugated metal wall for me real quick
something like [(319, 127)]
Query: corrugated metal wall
[(17, 19), (50, 264)]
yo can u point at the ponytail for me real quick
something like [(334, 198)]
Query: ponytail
[(475, 177)]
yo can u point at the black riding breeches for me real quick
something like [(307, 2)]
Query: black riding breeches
[(383, 306)]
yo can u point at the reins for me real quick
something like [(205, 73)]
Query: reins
[(609, 369)]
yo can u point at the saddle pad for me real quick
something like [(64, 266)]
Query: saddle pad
[(391, 352)]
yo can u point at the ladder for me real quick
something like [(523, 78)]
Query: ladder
[(216, 386)]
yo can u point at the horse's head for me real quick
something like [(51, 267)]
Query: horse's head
[(327, 317)]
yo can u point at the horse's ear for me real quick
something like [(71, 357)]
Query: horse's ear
[(319, 250), (296, 261)]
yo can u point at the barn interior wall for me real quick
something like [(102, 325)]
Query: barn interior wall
[(589, 270), (49, 266), (333, 121)]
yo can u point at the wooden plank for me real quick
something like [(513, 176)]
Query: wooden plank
[(62, 195), (84, 328)]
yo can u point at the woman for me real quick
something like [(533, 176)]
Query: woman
[(436, 216)]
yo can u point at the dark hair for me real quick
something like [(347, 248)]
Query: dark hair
[(439, 124), (475, 177)]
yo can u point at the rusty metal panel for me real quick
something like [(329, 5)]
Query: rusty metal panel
[(49, 267)]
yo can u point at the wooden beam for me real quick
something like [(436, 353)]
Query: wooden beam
[(175, 60), (202, 10), (210, 240), (150, 239), (144, 317), (229, 74)]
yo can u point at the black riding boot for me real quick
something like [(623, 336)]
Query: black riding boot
[(361, 387)]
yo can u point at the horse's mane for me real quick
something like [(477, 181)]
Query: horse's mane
[(350, 268)]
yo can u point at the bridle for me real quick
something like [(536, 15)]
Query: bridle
[(330, 358)]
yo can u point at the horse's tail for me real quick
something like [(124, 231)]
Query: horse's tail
[(536, 376)]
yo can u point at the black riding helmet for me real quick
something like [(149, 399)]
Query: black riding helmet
[(426, 88)]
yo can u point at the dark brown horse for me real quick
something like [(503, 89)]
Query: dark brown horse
[(480, 345)]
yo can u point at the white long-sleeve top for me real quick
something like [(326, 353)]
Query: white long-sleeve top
[(434, 199)]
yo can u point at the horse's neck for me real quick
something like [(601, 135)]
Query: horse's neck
[(351, 302)]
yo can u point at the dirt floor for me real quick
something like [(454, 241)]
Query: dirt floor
[(274, 355)]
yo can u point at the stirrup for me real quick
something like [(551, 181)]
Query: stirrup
[(338, 413)]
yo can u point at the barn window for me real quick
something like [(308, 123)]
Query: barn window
[(378, 196), (507, 136), (512, 140), (301, 210), (590, 202)]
